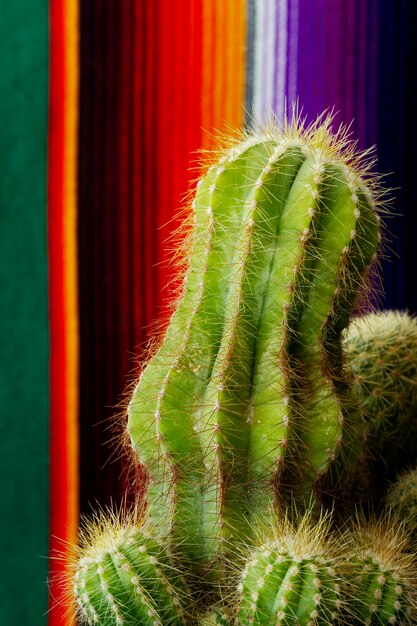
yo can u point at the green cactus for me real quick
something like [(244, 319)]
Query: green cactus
[(310, 574), (402, 498), (293, 578), (248, 390), (123, 575), (383, 575), (382, 350)]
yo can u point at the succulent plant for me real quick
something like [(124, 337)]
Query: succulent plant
[(384, 573), (293, 578), (123, 575), (402, 498), (248, 394), (382, 351)]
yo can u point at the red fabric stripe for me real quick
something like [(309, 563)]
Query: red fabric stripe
[(63, 483), (166, 132), (165, 122), (58, 476), (140, 305), (153, 181), (125, 141)]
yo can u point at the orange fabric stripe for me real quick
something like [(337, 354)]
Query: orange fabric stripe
[(236, 56), (71, 35), (62, 242), (207, 55), (219, 84), (223, 67)]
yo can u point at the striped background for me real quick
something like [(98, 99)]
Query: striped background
[(105, 105)]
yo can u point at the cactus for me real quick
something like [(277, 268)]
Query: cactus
[(292, 579), (248, 390), (122, 575), (310, 574), (402, 498), (382, 351), (383, 576)]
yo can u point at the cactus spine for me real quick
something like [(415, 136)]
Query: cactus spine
[(248, 390), (124, 576)]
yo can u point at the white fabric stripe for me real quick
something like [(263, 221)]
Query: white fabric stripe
[(270, 34), (265, 62), (259, 63), (281, 61), (293, 54)]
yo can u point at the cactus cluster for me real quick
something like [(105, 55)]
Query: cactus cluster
[(249, 409), (309, 574)]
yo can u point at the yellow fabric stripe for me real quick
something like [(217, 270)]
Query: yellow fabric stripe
[(71, 86), (223, 72)]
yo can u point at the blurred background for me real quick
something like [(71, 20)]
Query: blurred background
[(105, 105)]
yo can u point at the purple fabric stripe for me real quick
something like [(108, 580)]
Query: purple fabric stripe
[(372, 74), (292, 49), (305, 54), (337, 52), (349, 51), (333, 75), (359, 88), (265, 62), (277, 29), (319, 57)]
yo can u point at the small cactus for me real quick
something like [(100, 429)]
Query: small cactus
[(124, 576), (383, 576), (248, 390), (402, 498), (293, 578), (382, 351)]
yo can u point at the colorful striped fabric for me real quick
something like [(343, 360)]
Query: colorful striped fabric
[(107, 107)]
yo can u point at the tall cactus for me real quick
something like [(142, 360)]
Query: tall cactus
[(248, 390)]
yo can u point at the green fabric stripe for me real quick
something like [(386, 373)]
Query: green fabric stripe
[(24, 385)]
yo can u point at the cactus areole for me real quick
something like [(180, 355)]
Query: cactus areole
[(246, 402)]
